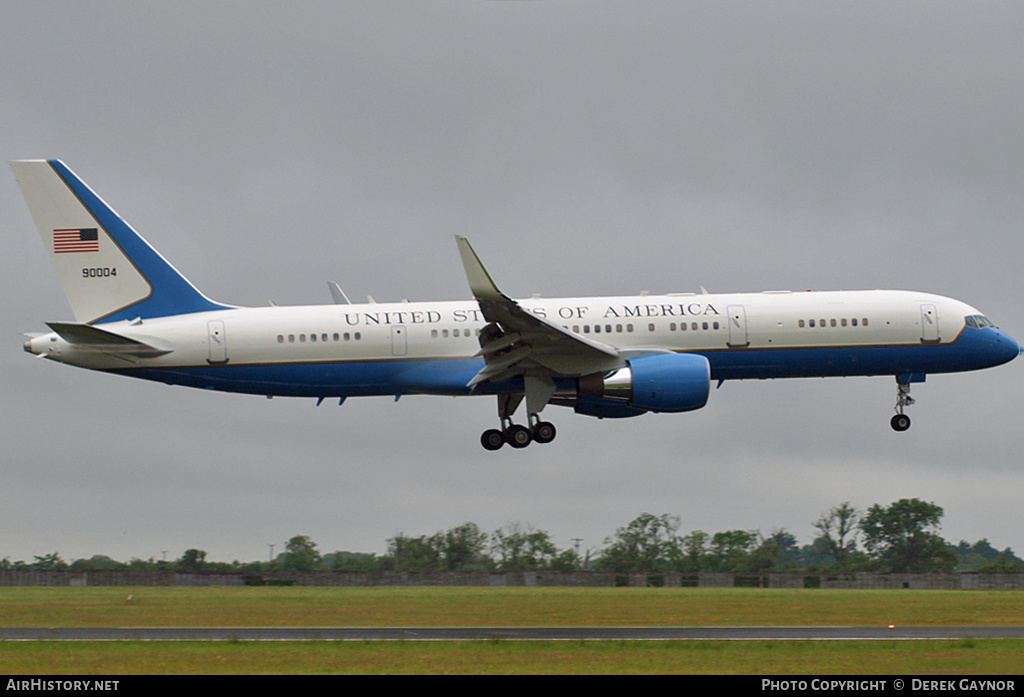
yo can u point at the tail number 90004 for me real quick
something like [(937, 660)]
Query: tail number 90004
[(99, 272)]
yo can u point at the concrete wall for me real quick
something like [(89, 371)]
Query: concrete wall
[(969, 581)]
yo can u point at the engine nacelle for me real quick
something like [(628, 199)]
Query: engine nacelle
[(663, 382)]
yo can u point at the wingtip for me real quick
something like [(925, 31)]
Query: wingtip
[(480, 282)]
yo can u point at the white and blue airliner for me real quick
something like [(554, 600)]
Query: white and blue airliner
[(607, 357)]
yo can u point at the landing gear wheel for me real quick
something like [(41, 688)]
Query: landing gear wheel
[(518, 436), (900, 422), (544, 432), (492, 439)]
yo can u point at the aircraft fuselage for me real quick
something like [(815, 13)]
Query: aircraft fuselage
[(431, 347)]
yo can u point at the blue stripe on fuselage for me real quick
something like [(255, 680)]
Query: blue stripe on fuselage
[(350, 379), (974, 349)]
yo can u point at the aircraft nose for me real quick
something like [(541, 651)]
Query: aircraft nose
[(1005, 347)]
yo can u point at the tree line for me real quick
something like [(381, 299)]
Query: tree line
[(900, 538)]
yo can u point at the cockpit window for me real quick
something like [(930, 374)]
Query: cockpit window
[(978, 321)]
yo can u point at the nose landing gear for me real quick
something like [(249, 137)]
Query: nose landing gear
[(901, 422)]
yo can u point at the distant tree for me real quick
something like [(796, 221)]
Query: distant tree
[(463, 547), (778, 552), (817, 556), (524, 549), (730, 548), (1006, 563), (648, 543), (49, 562), (300, 554), (413, 553), (904, 537), (97, 562), (351, 561), (982, 555), (191, 561), (838, 530), (566, 560), (694, 552)]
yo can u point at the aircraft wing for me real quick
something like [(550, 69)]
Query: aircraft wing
[(518, 342)]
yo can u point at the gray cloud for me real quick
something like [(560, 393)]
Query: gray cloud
[(585, 148)]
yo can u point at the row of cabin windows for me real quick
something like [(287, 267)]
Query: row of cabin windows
[(833, 322), (324, 338), (444, 333), (618, 328), (454, 332)]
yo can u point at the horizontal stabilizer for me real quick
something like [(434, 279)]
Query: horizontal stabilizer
[(85, 337)]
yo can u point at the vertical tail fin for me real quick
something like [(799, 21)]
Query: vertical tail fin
[(108, 271)]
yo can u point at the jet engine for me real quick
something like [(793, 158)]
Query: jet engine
[(663, 382)]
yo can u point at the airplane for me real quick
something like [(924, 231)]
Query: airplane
[(606, 357)]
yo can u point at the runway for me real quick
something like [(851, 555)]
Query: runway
[(505, 633)]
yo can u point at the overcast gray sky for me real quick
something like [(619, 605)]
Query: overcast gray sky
[(586, 148)]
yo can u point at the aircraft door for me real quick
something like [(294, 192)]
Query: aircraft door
[(217, 341), (399, 345), (929, 324), (737, 326)]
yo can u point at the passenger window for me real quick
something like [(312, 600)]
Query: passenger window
[(280, 338), (800, 323), (650, 327), (864, 322), (843, 321)]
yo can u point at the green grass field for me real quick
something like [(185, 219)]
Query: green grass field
[(502, 607)]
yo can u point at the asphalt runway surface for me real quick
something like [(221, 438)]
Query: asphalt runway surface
[(503, 633)]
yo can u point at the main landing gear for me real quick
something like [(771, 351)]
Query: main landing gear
[(901, 422), (516, 435)]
